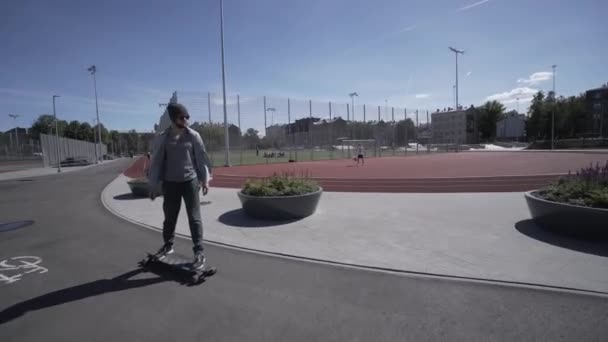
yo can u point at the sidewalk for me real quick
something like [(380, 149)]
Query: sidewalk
[(45, 171), (479, 235)]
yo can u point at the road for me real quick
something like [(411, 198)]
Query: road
[(94, 291)]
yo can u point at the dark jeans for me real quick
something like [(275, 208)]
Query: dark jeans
[(173, 192)]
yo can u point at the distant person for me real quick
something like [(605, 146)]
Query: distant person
[(360, 155), (257, 150), (181, 167)]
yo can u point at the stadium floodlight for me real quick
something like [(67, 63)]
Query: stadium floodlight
[(456, 53)]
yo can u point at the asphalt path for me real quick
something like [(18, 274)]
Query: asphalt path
[(80, 281)]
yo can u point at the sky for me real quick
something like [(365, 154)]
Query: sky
[(393, 53)]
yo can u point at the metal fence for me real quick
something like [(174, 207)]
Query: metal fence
[(28, 150), (301, 130), (58, 150)]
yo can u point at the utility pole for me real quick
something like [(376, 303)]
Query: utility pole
[(56, 134), (93, 70), (226, 137), (15, 116), (553, 110), (456, 53)]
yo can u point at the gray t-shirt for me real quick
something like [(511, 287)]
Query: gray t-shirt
[(179, 165)]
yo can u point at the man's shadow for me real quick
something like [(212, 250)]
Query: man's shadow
[(78, 292)]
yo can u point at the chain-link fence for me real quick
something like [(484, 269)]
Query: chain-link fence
[(19, 148), (268, 129)]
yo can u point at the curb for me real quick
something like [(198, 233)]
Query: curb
[(506, 283)]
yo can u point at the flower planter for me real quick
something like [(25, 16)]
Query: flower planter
[(280, 207), (567, 218)]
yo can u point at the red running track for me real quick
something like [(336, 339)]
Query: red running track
[(446, 172)]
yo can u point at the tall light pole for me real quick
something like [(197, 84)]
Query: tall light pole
[(94, 120), (226, 137), (385, 107), (553, 110), (456, 53), (15, 116), (56, 134), (271, 109), (352, 101), (93, 69)]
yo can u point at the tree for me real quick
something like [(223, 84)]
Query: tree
[(85, 132), (72, 130), (489, 114), (43, 125), (251, 138)]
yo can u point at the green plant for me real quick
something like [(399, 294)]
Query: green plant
[(588, 187), (286, 184)]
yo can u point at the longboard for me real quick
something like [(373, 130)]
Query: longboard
[(181, 264)]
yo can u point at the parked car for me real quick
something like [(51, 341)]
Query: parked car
[(75, 161)]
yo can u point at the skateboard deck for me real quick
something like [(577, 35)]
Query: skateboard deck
[(181, 264)]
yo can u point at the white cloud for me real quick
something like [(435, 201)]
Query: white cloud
[(536, 78), (423, 96), (406, 29), (467, 7), (524, 94), (468, 74)]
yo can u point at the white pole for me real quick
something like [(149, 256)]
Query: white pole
[(457, 104), (56, 135), (226, 137), (15, 116), (553, 111)]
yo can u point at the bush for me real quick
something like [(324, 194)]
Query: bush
[(588, 187), (286, 184)]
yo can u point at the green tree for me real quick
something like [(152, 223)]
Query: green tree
[(85, 132), (535, 115), (489, 114), (251, 138), (43, 125), (72, 130)]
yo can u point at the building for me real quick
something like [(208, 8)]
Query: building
[(455, 126), (19, 135), (597, 104), (511, 127)]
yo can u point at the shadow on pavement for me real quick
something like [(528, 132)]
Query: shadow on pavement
[(589, 246), (127, 196), (79, 292), (238, 218)]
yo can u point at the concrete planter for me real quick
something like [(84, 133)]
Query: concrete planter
[(567, 218), (280, 207), (138, 187)]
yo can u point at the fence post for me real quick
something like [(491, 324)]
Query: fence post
[(331, 142), (347, 113), (394, 129), (265, 124), (429, 133), (364, 118), (405, 125), (209, 105), (238, 111), (289, 124), (310, 144), (416, 131)]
